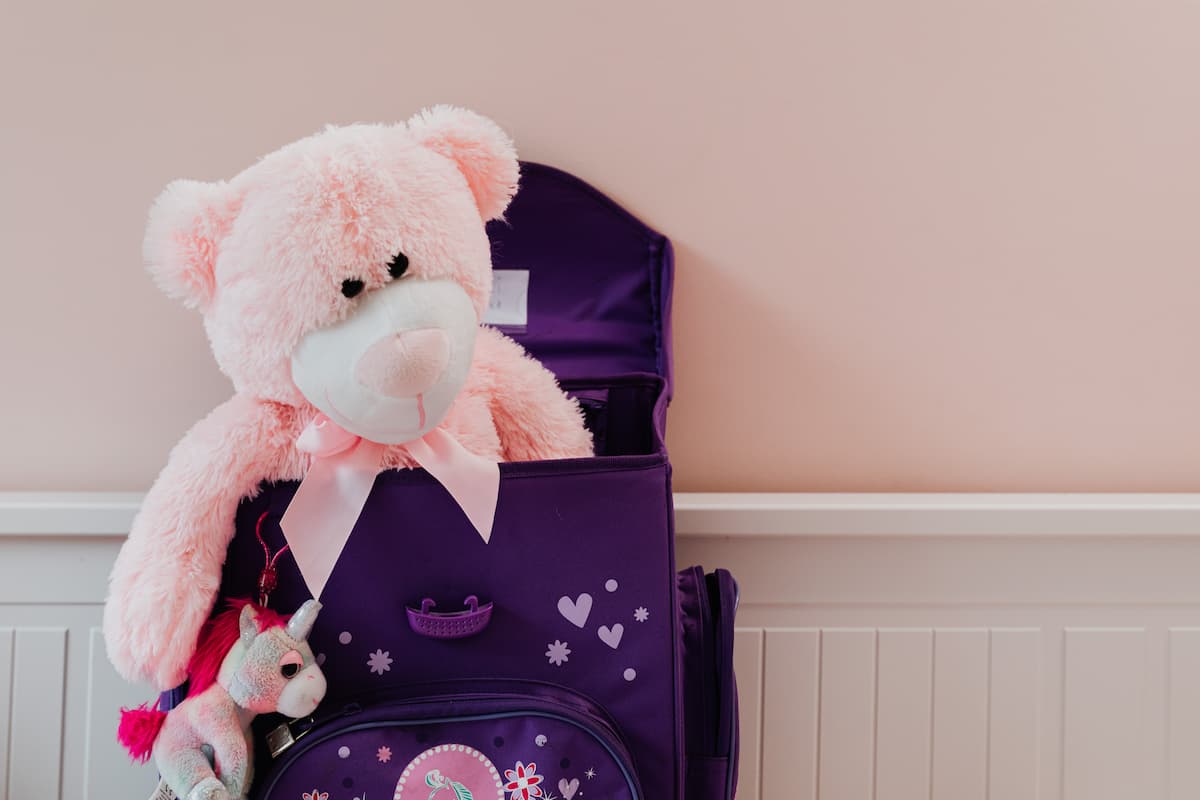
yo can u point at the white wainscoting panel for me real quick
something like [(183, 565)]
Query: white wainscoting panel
[(59, 697), (960, 714), (105, 762), (1000, 647), (790, 722), (903, 721), (847, 714), (1013, 703), (39, 658), (748, 666), (1104, 682), (7, 635), (889, 647), (1184, 713)]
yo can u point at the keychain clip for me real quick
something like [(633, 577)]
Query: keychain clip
[(281, 737)]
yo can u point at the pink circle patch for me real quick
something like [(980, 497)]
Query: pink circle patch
[(450, 772)]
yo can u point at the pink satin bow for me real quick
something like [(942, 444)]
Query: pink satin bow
[(326, 506)]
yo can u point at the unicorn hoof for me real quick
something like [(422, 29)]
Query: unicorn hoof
[(209, 789)]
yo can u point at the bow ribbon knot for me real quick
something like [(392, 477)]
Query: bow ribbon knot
[(332, 494)]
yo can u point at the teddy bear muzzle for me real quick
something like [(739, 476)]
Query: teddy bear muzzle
[(391, 370), (404, 364)]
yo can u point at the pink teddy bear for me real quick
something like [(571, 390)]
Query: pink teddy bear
[(372, 231)]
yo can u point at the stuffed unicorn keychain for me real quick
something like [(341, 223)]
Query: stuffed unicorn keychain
[(249, 660)]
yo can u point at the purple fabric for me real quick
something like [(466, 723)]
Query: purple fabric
[(580, 571), (707, 607), (600, 279), (562, 530)]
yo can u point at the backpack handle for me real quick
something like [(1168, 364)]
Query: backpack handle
[(471, 621)]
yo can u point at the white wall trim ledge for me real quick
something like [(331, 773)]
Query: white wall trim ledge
[(929, 514), (753, 514)]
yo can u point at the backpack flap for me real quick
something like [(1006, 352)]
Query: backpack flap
[(582, 284)]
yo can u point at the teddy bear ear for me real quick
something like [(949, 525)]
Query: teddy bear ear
[(187, 224), (483, 152)]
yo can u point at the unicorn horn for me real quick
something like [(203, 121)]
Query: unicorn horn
[(301, 623)]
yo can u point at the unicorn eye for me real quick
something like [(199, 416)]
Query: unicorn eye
[(290, 664)]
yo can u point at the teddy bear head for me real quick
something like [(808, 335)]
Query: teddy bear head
[(350, 269)]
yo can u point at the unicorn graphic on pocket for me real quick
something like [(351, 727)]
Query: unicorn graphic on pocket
[(436, 781)]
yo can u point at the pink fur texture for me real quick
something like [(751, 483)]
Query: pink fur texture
[(263, 257)]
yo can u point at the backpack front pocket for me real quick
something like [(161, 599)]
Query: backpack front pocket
[(502, 740)]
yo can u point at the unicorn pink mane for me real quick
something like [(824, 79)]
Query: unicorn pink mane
[(217, 638)]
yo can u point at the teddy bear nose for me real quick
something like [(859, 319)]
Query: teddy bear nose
[(404, 364)]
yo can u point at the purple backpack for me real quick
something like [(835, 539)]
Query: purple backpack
[(565, 659)]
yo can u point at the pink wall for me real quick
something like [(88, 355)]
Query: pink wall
[(923, 245)]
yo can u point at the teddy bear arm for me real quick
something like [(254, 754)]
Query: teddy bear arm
[(534, 418), (166, 576)]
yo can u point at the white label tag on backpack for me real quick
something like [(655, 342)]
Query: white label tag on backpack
[(509, 306), (163, 792)]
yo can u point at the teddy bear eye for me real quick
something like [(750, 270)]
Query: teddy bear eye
[(398, 265), (351, 287)]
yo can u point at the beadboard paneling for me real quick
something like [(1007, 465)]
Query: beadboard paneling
[(791, 726), (888, 648), (903, 723)]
